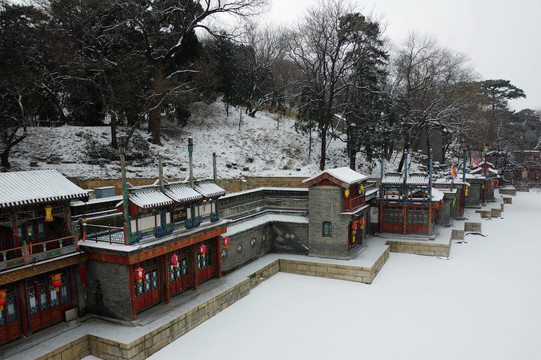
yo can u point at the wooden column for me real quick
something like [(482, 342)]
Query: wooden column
[(218, 258), (23, 310), (195, 266), (404, 215), (167, 282), (132, 292)]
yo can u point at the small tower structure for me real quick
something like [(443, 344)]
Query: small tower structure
[(338, 212)]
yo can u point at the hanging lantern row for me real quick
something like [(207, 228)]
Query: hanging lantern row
[(56, 281), (174, 260), (203, 250), (2, 299), (227, 242), (139, 274)]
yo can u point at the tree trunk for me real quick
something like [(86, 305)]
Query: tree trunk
[(114, 140), (155, 113), (4, 158), (323, 147)]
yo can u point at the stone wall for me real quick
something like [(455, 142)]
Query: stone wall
[(283, 240), (236, 203), (108, 289), (418, 248), (325, 204), (246, 246), (230, 185), (334, 271)]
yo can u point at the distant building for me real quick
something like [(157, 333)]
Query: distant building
[(408, 204)]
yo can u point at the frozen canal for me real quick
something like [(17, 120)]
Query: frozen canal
[(481, 303)]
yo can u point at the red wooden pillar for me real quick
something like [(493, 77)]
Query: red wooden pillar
[(218, 258), (380, 218), (404, 213), (195, 265), (132, 292), (429, 220), (167, 282), (23, 310), (71, 279)]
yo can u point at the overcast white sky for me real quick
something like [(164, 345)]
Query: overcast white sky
[(502, 38)]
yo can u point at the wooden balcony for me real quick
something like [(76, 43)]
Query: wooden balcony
[(33, 253)]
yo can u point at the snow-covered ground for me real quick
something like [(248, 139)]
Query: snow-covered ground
[(262, 146), (484, 302)]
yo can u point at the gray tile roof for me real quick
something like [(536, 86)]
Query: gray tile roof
[(183, 194), (35, 187), (150, 198), (209, 190)]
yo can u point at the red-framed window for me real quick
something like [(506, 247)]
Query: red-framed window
[(42, 295), (150, 276)]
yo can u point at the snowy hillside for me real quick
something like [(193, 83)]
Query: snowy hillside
[(261, 146)]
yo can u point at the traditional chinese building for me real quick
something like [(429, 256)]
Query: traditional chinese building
[(408, 204), (170, 242), (338, 211), (528, 163), (40, 258)]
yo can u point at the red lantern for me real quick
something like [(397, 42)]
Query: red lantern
[(226, 242), (174, 260), (491, 183), (56, 281), (355, 226), (202, 250), (139, 274), (2, 299), (361, 222)]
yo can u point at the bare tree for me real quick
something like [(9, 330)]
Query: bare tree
[(262, 51), (165, 29), (426, 75), (320, 48)]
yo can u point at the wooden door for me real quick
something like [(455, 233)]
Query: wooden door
[(147, 291), (181, 276), (46, 305), (10, 323), (205, 263), (393, 219)]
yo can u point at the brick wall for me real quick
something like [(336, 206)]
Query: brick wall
[(325, 204), (108, 289)]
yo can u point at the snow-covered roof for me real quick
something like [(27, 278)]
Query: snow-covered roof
[(345, 176), (480, 170), (209, 190), (37, 186), (150, 198), (437, 195), (183, 194), (398, 179)]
